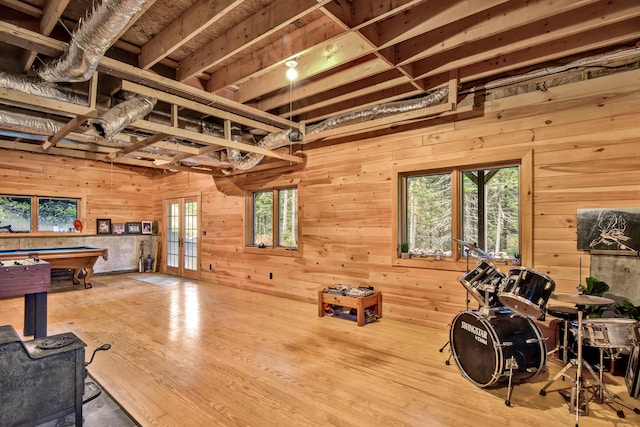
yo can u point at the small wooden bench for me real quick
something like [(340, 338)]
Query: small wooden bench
[(358, 303)]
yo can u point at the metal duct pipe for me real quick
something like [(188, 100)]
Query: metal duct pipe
[(380, 110), (29, 124), (280, 139), (39, 128), (271, 142), (96, 33), (42, 126), (215, 159), (119, 117), (39, 87)]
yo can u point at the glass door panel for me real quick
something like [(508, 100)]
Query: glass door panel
[(183, 224)]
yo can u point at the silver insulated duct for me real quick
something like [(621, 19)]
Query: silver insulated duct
[(38, 87), (119, 117), (96, 33), (280, 139), (31, 125), (380, 110)]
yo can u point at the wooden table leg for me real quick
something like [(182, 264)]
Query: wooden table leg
[(320, 303), (360, 311), (87, 276)]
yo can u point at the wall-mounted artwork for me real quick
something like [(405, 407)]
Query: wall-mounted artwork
[(614, 229)]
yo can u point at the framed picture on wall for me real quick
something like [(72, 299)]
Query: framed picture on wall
[(103, 226), (133, 228), (118, 228), (609, 229), (147, 227)]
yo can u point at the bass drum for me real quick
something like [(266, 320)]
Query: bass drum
[(486, 346)]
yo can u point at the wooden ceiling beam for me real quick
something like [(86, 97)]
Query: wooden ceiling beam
[(30, 40), (29, 56), (359, 71), (214, 141), (500, 23), (174, 146), (340, 50), (525, 53), (90, 155), (138, 145), (52, 11), (373, 84), (43, 104), (200, 16), (22, 7), (423, 18), (69, 127), (21, 37), (195, 106), (355, 14), (259, 26), (274, 54)]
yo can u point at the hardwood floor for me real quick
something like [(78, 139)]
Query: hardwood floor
[(198, 354)]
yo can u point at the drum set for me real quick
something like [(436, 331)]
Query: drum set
[(500, 341)]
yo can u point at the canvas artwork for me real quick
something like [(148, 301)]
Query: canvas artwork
[(615, 229)]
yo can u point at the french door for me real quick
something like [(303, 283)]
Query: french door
[(183, 224)]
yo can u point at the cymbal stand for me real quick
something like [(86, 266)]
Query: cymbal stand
[(601, 389), (574, 406), (448, 361)]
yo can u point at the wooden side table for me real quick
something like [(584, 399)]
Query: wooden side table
[(358, 303)]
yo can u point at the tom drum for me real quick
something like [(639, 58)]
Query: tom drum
[(527, 291), (483, 283)]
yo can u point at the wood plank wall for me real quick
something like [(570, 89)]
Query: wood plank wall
[(586, 142), (121, 193), (585, 139)]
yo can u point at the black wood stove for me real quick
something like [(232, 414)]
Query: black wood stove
[(41, 379)]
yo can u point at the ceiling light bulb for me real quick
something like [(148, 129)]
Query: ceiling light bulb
[(292, 73)]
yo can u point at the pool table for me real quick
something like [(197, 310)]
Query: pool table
[(77, 258)]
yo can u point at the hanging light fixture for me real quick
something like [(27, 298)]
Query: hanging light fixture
[(292, 73)]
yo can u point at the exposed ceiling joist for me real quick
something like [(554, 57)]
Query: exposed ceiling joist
[(223, 61)]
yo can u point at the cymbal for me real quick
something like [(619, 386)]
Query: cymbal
[(467, 244), (474, 248), (581, 299)]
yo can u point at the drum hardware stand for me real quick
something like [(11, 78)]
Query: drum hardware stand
[(601, 389), (565, 340), (512, 362), (575, 406), (448, 361)]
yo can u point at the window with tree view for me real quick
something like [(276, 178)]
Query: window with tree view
[(23, 214), (274, 218), (487, 201), (490, 210)]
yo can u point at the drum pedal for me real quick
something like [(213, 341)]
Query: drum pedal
[(585, 397)]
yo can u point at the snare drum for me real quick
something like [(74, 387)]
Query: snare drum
[(527, 291), (608, 333), (483, 283)]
